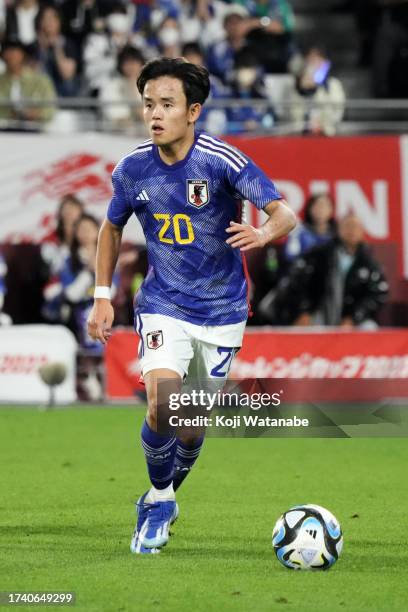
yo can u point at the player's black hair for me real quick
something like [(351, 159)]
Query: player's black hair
[(195, 79), (72, 199), (307, 215)]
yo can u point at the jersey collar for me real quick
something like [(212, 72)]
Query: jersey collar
[(177, 165)]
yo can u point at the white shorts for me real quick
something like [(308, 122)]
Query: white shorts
[(201, 352)]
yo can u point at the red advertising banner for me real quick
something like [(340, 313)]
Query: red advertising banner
[(282, 354), (366, 175)]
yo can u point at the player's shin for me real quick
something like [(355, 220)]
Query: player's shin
[(186, 455), (160, 453)]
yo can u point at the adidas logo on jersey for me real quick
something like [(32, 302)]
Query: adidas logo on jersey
[(143, 196)]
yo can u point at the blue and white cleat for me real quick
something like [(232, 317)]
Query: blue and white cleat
[(153, 519), (137, 548)]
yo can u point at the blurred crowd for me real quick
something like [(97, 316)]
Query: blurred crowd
[(96, 48), (323, 274)]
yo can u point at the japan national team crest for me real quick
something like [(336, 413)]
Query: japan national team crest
[(155, 339), (197, 192)]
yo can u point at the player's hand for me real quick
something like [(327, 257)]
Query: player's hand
[(245, 237), (100, 320)]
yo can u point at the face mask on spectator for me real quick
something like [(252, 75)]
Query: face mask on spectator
[(118, 23), (168, 37), (246, 77)]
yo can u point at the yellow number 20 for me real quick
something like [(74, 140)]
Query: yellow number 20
[(175, 221)]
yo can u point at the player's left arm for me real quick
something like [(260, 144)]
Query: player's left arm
[(281, 221)]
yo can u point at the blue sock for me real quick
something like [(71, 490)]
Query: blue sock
[(159, 452), (186, 456)]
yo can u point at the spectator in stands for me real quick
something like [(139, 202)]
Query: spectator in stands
[(20, 21), (101, 49), (212, 120), (275, 15), (55, 252), (169, 38), (317, 99), (57, 54), (59, 244), (20, 83), (247, 84), (201, 21), (270, 33), (78, 282), (318, 228), (77, 274), (82, 17), (338, 283), (221, 55), (123, 88)]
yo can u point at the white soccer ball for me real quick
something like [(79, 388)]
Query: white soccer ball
[(307, 537)]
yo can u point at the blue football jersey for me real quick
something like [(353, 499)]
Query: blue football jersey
[(184, 210)]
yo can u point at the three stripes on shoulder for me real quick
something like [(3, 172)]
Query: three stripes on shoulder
[(213, 146), (206, 144)]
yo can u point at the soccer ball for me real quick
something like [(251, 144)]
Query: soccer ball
[(307, 537)]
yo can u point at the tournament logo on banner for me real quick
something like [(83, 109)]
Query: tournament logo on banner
[(380, 356)]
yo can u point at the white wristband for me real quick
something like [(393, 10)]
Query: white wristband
[(102, 292)]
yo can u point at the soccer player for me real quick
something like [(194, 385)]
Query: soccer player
[(186, 189)]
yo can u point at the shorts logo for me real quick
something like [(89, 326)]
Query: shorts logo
[(197, 192), (155, 339)]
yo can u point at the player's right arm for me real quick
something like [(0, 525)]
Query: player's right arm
[(110, 236), (101, 316)]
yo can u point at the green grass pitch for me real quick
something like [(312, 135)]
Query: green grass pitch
[(69, 479)]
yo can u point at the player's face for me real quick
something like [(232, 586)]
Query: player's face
[(165, 111)]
